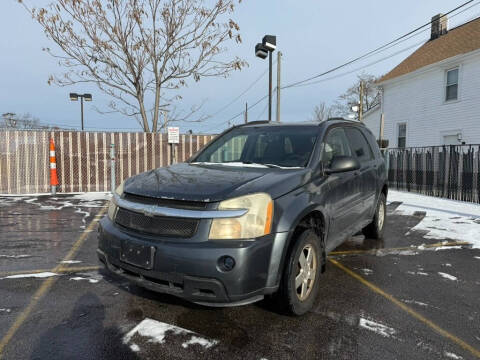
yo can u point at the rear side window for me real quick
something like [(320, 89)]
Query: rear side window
[(359, 145)]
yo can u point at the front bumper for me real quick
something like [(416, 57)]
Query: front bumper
[(189, 269)]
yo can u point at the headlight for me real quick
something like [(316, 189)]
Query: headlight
[(112, 208), (119, 189), (255, 223)]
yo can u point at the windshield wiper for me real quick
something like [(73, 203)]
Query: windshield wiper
[(268, 165)]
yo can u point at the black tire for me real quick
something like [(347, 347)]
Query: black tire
[(375, 229), (287, 297)]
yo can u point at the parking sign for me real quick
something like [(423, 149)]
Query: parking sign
[(173, 135)]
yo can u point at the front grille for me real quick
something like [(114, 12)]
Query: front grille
[(156, 225), (178, 204)]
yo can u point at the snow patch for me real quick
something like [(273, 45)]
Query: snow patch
[(447, 276), (15, 256), (157, 331), (452, 355), (38, 275), (417, 273), (367, 271), (200, 341), (414, 302), (444, 219), (78, 278), (376, 327), (446, 247), (135, 348), (70, 262), (92, 278), (93, 196)]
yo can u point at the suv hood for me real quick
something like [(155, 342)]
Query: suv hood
[(211, 183)]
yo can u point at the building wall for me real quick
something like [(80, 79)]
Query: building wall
[(418, 99), (372, 120)]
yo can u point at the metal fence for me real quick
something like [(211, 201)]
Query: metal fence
[(450, 171), (83, 158)]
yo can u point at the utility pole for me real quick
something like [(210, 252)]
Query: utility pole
[(360, 105), (269, 86), (279, 72), (246, 112)]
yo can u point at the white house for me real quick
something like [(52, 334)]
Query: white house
[(433, 96)]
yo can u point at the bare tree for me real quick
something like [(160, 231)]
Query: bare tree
[(140, 52), (19, 122), (322, 112), (371, 95)]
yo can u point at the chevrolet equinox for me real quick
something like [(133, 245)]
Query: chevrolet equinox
[(253, 214)]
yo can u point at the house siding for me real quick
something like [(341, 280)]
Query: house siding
[(418, 99), (372, 120)]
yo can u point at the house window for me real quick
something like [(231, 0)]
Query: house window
[(451, 91), (402, 135)]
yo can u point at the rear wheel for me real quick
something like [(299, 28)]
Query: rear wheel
[(375, 229), (300, 281)]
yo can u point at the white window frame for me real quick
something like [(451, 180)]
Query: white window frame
[(445, 101)]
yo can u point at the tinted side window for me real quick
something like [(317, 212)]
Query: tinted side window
[(335, 144), (359, 145)]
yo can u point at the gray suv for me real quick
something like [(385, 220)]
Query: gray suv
[(253, 214)]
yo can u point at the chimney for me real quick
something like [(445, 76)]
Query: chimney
[(439, 26)]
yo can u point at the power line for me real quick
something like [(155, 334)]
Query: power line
[(241, 94), (373, 51), (361, 67), (384, 47)]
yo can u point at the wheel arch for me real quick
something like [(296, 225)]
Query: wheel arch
[(313, 217)]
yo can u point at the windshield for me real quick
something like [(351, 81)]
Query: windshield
[(286, 146)]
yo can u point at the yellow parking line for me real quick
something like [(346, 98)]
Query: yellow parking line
[(409, 310), (46, 285), (72, 269), (386, 250)]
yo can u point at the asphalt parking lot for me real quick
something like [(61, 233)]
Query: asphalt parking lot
[(409, 296)]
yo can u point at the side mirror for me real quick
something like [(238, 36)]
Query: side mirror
[(342, 164)]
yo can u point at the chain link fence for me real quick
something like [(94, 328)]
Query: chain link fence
[(450, 171), (83, 158)]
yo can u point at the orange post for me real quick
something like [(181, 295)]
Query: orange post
[(53, 168)]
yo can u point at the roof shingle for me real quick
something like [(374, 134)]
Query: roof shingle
[(460, 40)]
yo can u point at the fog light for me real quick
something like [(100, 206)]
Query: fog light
[(226, 263)]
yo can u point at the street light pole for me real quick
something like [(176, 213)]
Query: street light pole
[(262, 50), (87, 97)]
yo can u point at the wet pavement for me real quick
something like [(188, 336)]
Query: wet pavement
[(406, 297)]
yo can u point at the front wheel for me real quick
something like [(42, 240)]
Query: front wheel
[(300, 281), (375, 229)]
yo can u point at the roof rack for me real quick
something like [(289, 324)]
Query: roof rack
[(254, 123), (343, 119)]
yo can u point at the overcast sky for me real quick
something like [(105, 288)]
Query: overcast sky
[(313, 35)]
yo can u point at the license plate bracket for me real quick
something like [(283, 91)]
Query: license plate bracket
[(137, 254)]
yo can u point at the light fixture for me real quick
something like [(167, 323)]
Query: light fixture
[(261, 51), (270, 42)]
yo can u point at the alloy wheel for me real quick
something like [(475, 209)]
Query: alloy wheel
[(306, 271), (381, 215)]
